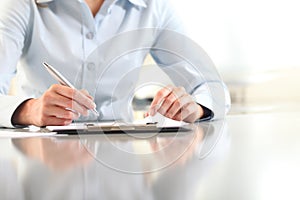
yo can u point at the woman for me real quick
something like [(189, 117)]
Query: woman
[(65, 34)]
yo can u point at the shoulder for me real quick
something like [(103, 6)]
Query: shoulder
[(4, 4), (15, 17), (15, 9), (8, 7)]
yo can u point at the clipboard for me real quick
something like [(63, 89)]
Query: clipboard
[(94, 128)]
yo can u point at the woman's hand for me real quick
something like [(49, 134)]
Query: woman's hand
[(175, 103), (59, 105)]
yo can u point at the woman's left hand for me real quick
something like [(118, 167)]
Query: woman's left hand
[(175, 103)]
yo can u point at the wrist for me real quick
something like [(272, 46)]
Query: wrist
[(22, 114), (200, 111)]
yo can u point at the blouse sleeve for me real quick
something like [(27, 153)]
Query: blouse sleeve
[(14, 25)]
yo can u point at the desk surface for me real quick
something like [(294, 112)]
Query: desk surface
[(245, 157)]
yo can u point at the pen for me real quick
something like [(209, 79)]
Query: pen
[(62, 80)]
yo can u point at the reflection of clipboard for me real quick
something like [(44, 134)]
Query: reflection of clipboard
[(95, 128)]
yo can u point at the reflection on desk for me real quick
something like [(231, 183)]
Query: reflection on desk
[(255, 156), (113, 166)]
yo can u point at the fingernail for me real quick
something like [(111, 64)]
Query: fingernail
[(153, 111)]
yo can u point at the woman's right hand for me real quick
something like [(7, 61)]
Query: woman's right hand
[(59, 105)]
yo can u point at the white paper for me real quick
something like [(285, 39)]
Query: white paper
[(73, 126), (161, 121), (16, 134)]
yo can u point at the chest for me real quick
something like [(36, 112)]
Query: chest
[(83, 47)]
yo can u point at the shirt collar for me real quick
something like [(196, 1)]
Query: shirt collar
[(141, 3)]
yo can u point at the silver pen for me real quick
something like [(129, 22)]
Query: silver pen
[(62, 80)]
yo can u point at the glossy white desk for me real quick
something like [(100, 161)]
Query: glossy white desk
[(246, 157)]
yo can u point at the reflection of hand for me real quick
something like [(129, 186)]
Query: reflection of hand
[(182, 147), (50, 108), (176, 151), (176, 103), (57, 155)]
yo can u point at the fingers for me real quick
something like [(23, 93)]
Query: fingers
[(175, 103), (158, 99), (178, 105), (60, 105), (165, 98), (61, 113), (55, 115), (172, 101), (64, 103), (86, 93), (189, 113), (54, 121), (64, 118), (74, 95), (78, 101)]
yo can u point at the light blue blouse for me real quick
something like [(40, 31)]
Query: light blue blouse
[(102, 54)]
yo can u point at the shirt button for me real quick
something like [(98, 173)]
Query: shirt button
[(90, 35), (91, 66)]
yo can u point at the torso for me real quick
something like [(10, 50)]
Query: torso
[(56, 27)]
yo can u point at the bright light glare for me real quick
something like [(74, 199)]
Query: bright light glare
[(245, 35)]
